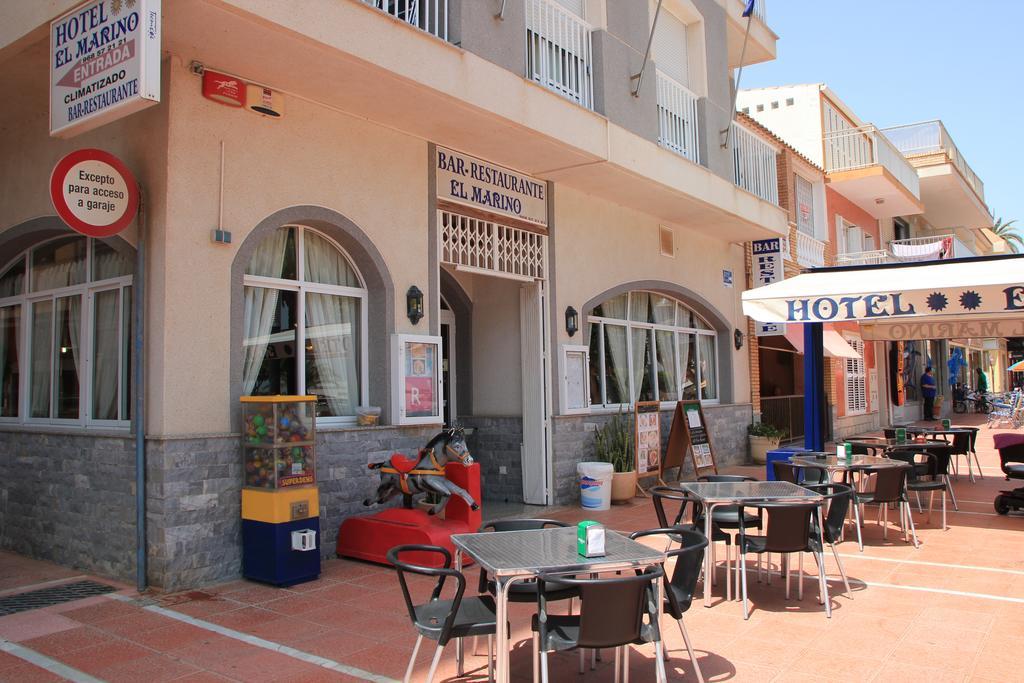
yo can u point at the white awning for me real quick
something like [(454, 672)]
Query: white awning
[(927, 300), (834, 344)]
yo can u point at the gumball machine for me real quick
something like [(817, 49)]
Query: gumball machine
[(280, 501)]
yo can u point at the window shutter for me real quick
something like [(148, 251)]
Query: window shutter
[(669, 47), (856, 379), (804, 206), (577, 7)]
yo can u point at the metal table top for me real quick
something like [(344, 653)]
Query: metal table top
[(833, 462), (909, 444), (941, 431), (747, 491), (535, 551)]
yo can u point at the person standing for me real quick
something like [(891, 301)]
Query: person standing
[(982, 381), (928, 393)]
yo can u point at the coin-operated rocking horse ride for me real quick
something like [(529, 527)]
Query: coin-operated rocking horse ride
[(444, 467)]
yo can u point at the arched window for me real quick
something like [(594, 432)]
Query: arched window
[(65, 326), (645, 346), (305, 322)]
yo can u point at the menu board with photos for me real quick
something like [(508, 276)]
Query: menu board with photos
[(647, 432)]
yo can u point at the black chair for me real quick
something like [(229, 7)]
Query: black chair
[(890, 487), (788, 531), (679, 589), (889, 432), (441, 620), (963, 445), (727, 517), (798, 474), (524, 591), (611, 614), (927, 473), (837, 498)]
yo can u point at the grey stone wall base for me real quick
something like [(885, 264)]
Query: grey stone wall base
[(496, 442)]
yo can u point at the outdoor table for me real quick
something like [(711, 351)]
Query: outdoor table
[(512, 556), (894, 444), (715, 493), (950, 432), (832, 463)]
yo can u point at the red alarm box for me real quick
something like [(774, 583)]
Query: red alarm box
[(223, 89)]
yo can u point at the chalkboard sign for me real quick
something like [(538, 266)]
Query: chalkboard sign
[(647, 432), (689, 434)]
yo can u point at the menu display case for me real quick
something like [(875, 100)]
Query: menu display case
[(278, 441)]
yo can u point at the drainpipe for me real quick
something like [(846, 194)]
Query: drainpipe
[(138, 316)]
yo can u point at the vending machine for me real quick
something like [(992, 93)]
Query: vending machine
[(280, 501)]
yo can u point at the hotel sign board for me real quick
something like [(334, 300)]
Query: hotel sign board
[(104, 63), (468, 181), (767, 268)]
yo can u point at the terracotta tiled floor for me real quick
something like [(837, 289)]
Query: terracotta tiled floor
[(951, 610)]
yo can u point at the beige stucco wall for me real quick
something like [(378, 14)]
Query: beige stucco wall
[(312, 156), (598, 246), (497, 373)]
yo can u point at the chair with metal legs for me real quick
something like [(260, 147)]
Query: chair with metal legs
[(679, 589), (795, 474), (837, 500), (788, 531), (928, 478), (726, 518), (441, 620), (890, 488), (614, 612)]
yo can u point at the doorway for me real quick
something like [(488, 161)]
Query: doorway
[(448, 378)]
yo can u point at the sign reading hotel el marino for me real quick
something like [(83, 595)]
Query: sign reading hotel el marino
[(104, 63), (472, 182), (913, 303)]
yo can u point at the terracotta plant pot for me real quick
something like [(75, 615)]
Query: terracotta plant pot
[(759, 447), (623, 486)]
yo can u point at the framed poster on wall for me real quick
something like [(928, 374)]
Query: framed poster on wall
[(416, 368), (647, 432)]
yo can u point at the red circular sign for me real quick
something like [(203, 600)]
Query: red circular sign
[(94, 192)]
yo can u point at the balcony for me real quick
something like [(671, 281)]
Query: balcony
[(953, 194), (928, 248), (559, 55), (865, 258), (810, 252), (760, 44), (427, 15), (677, 118), (866, 168), (754, 166)]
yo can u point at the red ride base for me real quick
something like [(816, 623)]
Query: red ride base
[(370, 537)]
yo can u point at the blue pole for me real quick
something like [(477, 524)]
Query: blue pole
[(814, 387)]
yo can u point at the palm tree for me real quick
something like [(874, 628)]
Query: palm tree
[(1009, 233)]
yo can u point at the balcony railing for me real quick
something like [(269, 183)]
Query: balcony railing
[(427, 15), (759, 10), (558, 51), (809, 251), (931, 137), (864, 258), (677, 118), (754, 164), (853, 148), (928, 248), (785, 413)]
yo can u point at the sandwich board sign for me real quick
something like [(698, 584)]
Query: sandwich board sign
[(104, 63)]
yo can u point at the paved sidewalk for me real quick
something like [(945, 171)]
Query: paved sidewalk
[(952, 610)]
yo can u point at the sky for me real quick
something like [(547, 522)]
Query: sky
[(904, 61)]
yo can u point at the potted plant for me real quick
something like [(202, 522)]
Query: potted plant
[(613, 443), (763, 438)]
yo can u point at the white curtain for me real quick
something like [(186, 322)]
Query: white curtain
[(616, 345), (708, 366), (59, 273), (325, 264), (42, 343), (689, 379), (261, 306), (668, 383), (8, 328), (332, 327), (105, 354), (641, 338), (74, 305)]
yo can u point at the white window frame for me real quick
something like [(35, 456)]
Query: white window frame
[(398, 373), (676, 330), (87, 290), (855, 374), (302, 287), (567, 351)]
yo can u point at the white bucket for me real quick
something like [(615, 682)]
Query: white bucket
[(595, 484)]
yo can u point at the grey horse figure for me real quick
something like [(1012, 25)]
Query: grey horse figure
[(425, 472)]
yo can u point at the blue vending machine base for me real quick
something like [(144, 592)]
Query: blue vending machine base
[(267, 553), (779, 454)]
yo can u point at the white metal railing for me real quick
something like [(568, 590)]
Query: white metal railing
[(482, 246), (931, 137), (677, 118), (754, 166), (759, 10), (923, 248), (427, 15), (853, 148), (864, 258), (559, 55), (809, 251)]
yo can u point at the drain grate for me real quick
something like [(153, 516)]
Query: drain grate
[(45, 597)]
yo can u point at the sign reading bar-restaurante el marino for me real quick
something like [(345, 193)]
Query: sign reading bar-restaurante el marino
[(104, 63), (476, 183)]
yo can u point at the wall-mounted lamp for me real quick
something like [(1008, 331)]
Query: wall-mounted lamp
[(572, 321), (414, 304), (737, 339)]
